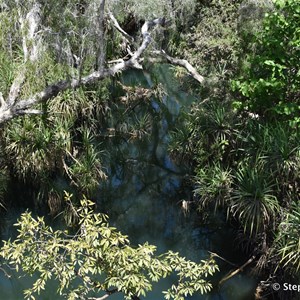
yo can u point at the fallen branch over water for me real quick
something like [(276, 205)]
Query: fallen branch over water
[(240, 269)]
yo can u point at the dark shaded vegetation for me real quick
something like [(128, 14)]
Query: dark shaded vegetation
[(241, 137)]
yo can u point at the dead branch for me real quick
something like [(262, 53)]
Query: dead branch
[(101, 36), (222, 258), (116, 24), (240, 269), (31, 47), (14, 107), (182, 63)]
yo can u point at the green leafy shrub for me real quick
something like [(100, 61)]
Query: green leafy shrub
[(98, 259), (270, 82)]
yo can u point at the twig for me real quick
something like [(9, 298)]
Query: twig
[(108, 293), (231, 274), (6, 274), (224, 259), (118, 27)]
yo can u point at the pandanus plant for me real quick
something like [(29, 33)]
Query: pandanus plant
[(286, 246), (254, 202)]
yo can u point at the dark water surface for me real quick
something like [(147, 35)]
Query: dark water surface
[(142, 198)]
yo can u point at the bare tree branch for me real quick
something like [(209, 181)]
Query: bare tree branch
[(2, 101), (119, 28), (146, 39), (31, 112), (32, 22), (108, 293), (13, 108), (181, 62), (240, 269), (101, 54), (16, 87)]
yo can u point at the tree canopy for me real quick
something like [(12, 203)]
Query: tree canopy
[(270, 78)]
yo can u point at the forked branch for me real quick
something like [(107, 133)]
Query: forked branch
[(13, 106)]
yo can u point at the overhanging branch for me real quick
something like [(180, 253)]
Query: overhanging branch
[(182, 63), (14, 107), (119, 28)]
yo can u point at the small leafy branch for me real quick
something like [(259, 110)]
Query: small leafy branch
[(98, 260)]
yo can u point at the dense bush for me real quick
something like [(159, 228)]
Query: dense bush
[(270, 80), (245, 146)]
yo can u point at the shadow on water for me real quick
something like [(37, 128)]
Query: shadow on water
[(142, 197)]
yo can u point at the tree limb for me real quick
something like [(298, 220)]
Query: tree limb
[(146, 40), (240, 269), (31, 48), (2, 101), (119, 28), (12, 108), (108, 293), (101, 36), (181, 62)]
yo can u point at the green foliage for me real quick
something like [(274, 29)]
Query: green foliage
[(209, 45), (213, 186), (98, 259), (253, 200), (60, 146), (244, 167), (287, 243), (143, 11), (207, 134), (271, 81), (30, 146), (243, 142), (6, 73), (251, 14)]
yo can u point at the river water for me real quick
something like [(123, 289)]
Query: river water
[(142, 197)]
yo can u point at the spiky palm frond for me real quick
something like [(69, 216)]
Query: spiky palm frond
[(287, 243), (215, 126), (254, 202), (29, 145), (217, 122), (86, 169), (283, 150), (277, 142), (213, 186)]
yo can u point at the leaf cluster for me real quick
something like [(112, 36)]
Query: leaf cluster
[(269, 84), (98, 259), (244, 143)]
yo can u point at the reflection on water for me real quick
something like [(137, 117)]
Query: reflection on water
[(142, 197), (154, 215)]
